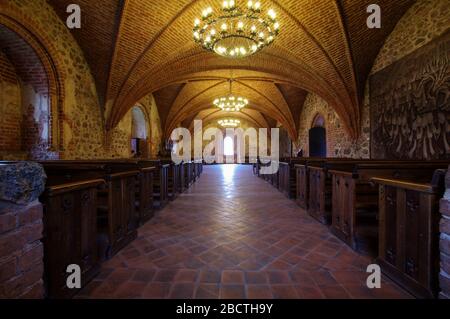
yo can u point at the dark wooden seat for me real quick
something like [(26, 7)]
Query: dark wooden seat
[(409, 232), (198, 168), (287, 175), (70, 234), (144, 183), (355, 199), (117, 215), (188, 174), (160, 181), (173, 179)]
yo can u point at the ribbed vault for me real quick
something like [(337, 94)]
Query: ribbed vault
[(146, 46)]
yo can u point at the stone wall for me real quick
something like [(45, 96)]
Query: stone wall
[(155, 135), (120, 144), (82, 118), (339, 144), (444, 276), (24, 131), (424, 21), (121, 138)]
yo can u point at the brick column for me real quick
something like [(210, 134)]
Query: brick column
[(444, 276), (21, 249)]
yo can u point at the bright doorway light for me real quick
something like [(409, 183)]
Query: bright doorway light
[(228, 146)]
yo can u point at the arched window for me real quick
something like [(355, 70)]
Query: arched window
[(319, 121), (228, 146), (139, 147), (139, 124)]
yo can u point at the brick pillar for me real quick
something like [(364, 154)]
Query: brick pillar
[(21, 251), (21, 226), (444, 276)]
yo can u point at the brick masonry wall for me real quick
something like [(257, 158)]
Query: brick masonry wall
[(82, 121), (24, 131), (10, 107), (21, 251), (444, 276)]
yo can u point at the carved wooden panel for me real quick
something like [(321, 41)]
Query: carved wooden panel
[(410, 105)]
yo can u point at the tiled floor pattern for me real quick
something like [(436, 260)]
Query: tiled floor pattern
[(234, 236)]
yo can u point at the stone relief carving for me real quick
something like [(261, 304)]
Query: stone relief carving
[(410, 105)]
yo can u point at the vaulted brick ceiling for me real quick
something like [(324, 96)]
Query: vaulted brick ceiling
[(136, 47)]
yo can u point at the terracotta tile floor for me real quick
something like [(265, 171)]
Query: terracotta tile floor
[(232, 235)]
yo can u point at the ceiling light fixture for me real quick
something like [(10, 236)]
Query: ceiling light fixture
[(229, 123), (230, 102), (236, 32)]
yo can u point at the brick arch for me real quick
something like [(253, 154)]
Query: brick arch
[(264, 96), (205, 106), (280, 71), (317, 117), (33, 35), (214, 117), (154, 54)]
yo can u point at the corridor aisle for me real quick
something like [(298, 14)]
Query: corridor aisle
[(232, 235)]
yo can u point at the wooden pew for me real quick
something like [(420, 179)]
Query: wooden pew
[(180, 182), (275, 179), (70, 234), (145, 203), (193, 173), (183, 183), (173, 179), (198, 168), (117, 216), (287, 179), (160, 181), (409, 232), (144, 183), (188, 172), (303, 179), (355, 200), (315, 186)]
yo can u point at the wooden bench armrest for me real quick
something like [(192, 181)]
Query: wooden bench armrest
[(409, 185), (71, 187), (122, 175)]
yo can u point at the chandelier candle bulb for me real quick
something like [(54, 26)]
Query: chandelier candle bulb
[(243, 31)]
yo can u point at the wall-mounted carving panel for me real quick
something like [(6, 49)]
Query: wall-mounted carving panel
[(410, 105)]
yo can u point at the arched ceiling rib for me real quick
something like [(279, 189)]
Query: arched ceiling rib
[(324, 47)]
